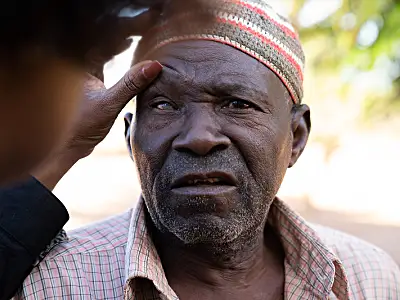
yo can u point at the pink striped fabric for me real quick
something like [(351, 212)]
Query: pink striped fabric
[(116, 259)]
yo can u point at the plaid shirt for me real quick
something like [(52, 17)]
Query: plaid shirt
[(116, 259)]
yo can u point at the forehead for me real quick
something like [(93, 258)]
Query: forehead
[(209, 63)]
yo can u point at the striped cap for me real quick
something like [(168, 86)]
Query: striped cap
[(251, 26)]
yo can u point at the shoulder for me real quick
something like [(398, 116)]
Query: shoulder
[(367, 267), (77, 264), (97, 237)]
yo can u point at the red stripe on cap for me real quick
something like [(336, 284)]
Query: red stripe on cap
[(259, 11), (266, 41)]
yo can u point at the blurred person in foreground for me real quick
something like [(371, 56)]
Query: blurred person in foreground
[(212, 139), (45, 49)]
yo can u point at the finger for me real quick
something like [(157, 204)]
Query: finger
[(92, 83), (133, 82)]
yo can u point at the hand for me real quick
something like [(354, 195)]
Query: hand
[(99, 109), (101, 106)]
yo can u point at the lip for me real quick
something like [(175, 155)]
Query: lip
[(225, 180), (205, 190)]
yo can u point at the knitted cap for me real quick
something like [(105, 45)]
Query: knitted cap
[(250, 26)]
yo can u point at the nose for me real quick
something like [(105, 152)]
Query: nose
[(201, 136)]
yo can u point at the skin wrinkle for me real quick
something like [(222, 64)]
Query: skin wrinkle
[(164, 187), (240, 80), (169, 77), (225, 232), (225, 87)]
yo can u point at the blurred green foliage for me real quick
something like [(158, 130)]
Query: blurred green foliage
[(362, 36)]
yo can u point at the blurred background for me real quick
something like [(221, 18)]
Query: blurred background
[(349, 175)]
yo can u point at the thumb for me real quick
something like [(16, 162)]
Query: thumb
[(133, 82)]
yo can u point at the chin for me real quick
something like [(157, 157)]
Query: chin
[(217, 217), (205, 229)]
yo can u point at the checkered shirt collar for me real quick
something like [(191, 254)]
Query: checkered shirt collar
[(319, 268)]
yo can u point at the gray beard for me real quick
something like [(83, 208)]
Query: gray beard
[(242, 223)]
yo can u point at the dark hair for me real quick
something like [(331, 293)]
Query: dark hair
[(69, 28)]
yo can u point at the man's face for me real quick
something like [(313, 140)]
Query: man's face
[(213, 138)]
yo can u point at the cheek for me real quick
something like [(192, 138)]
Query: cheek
[(151, 144), (266, 150), (154, 133)]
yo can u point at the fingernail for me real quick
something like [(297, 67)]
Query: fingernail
[(152, 70)]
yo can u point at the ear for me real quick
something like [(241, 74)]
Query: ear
[(128, 118), (301, 126)]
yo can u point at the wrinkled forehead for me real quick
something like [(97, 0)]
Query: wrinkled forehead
[(203, 53), (197, 58), (206, 55), (208, 66)]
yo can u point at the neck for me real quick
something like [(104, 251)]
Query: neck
[(237, 264)]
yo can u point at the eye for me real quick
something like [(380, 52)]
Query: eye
[(163, 105), (239, 104)]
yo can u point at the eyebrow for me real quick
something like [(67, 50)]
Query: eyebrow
[(167, 75)]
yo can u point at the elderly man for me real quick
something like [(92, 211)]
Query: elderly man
[(212, 140)]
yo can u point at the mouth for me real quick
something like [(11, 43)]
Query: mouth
[(205, 180), (205, 193)]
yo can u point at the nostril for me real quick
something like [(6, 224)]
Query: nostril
[(217, 148), (202, 151), (185, 150)]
